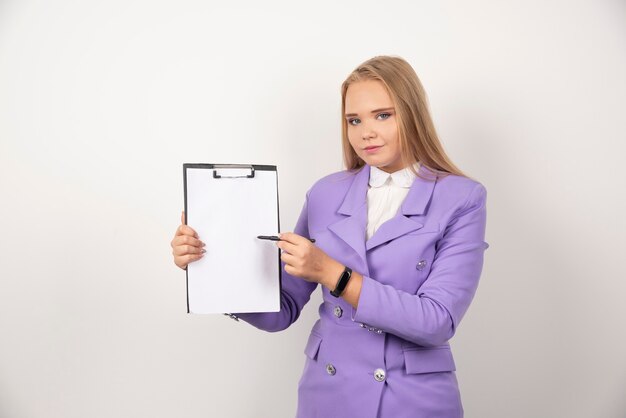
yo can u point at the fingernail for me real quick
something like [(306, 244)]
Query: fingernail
[(203, 250), (203, 244)]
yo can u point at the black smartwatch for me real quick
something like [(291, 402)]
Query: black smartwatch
[(342, 282)]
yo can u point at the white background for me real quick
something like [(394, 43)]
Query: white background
[(102, 102)]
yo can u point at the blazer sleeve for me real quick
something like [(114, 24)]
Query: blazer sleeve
[(430, 317), (295, 292)]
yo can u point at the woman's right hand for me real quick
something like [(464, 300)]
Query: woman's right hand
[(186, 247)]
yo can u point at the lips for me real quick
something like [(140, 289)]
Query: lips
[(372, 149)]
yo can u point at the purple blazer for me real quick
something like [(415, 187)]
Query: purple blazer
[(390, 357)]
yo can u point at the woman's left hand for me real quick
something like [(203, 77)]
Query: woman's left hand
[(304, 259)]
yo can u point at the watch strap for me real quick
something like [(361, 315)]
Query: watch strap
[(342, 282)]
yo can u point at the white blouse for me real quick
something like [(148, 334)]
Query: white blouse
[(385, 195)]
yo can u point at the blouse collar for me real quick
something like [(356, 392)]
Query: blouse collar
[(401, 178)]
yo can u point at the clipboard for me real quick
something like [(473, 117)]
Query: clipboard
[(229, 205)]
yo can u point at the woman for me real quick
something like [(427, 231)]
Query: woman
[(398, 252)]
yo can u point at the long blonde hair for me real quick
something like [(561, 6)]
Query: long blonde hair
[(416, 132)]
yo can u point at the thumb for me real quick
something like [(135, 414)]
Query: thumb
[(182, 217)]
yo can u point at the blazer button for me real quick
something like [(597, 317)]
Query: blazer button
[(330, 369), (421, 265), (379, 375), (338, 311)]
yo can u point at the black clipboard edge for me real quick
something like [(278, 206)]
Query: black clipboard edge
[(213, 165), (280, 266)]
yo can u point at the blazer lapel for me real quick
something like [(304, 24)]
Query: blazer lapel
[(352, 228)]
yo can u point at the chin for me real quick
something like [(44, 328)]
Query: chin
[(376, 163)]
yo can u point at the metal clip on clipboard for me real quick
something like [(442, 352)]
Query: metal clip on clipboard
[(218, 166)]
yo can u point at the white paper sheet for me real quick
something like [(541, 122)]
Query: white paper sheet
[(239, 272)]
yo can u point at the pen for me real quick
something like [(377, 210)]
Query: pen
[(275, 238)]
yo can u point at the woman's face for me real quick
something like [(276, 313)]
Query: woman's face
[(371, 120)]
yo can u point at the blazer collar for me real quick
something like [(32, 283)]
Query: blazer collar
[(401, 178), (352, 228)]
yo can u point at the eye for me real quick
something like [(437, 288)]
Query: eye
[(385, 114), (352, 120)]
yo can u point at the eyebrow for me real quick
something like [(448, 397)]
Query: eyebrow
[(373, 111)]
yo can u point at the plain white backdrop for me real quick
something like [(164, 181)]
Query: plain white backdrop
[(102, 102)]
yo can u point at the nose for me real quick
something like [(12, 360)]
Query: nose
[(367, 132)]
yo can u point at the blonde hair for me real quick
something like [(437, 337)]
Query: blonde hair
[(417, 136)]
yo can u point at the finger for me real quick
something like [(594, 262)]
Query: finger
[(290, 270), (293, 238), (286, 236), (289, 259), (182, 217), (187, 240), (186, 230), (184, 249), (287, 246), (192, 257), (189, 258)]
